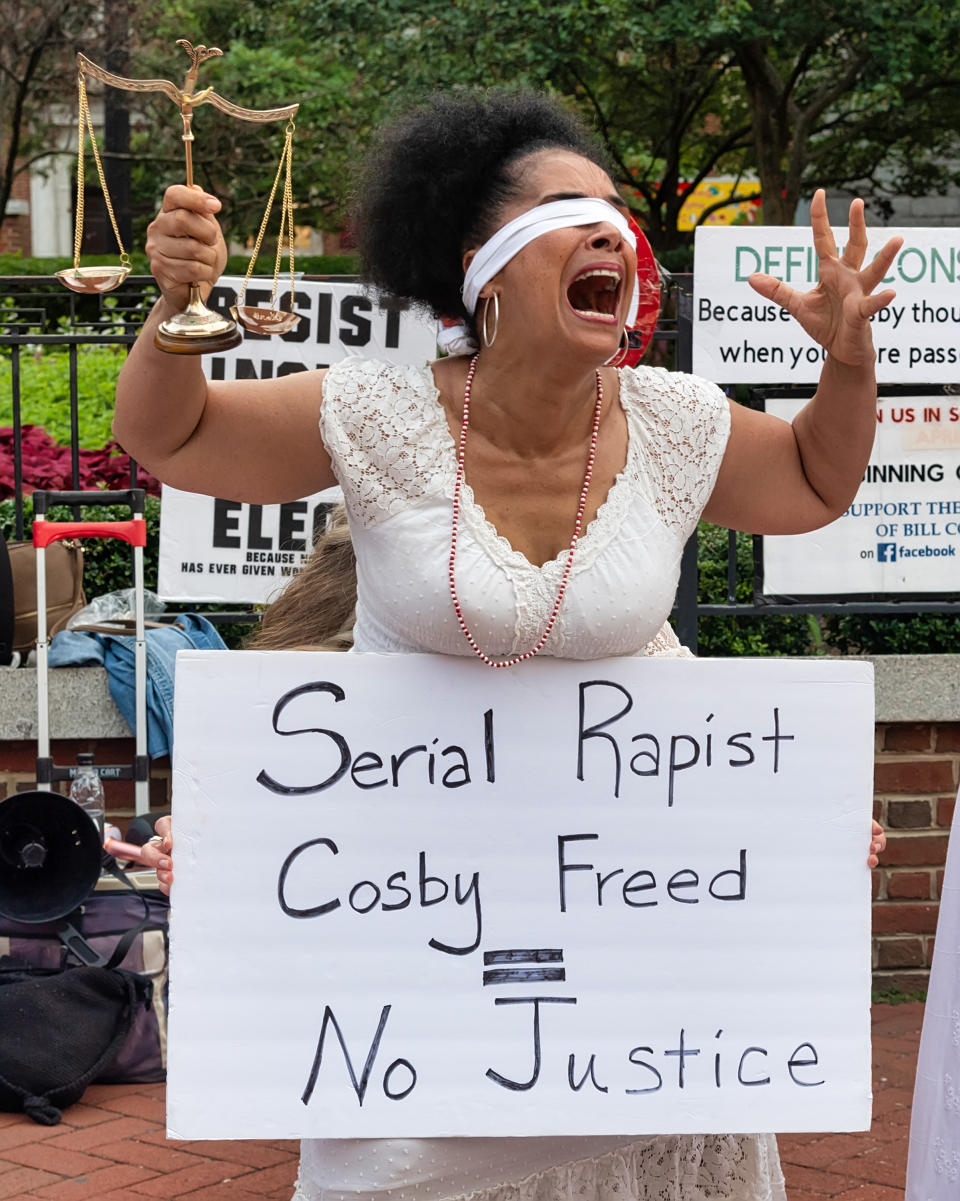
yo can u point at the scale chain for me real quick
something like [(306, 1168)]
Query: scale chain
[(85, 120), (284, 167)]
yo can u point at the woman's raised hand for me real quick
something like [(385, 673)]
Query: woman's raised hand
[(837, 312), (185, 245)]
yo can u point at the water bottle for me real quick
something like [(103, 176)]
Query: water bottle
[(86, 789)]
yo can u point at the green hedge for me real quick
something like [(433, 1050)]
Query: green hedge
[(16, 264), (737, 636), (107, 564), (309, 264), (911, 634), (805, 634)]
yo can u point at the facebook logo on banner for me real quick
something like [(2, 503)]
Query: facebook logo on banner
[(887, 552)]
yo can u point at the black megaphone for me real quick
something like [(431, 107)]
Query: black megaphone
[(50, 857)]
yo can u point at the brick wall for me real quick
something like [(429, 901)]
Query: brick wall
[(18, 764), (16, 231), (915, 787)]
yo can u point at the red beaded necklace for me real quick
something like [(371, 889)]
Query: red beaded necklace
[(458, 487)]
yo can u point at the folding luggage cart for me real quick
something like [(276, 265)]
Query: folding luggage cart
[(134, 532)]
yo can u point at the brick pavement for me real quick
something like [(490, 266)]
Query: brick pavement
[(870, 1166), (111, 1146)]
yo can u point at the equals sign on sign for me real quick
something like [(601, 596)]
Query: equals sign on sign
[(521, 969)]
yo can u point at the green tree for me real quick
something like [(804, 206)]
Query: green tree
[(269, 60), (857, 95), (666, 104), (854, 94), (36, 70)]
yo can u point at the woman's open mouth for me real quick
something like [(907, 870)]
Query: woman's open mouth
[(595, 294)]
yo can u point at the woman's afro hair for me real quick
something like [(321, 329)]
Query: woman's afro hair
[(435, 180)]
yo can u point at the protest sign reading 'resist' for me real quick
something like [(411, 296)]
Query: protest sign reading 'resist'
[(416, 897), (219, 550), (740, 338), (901, 533)]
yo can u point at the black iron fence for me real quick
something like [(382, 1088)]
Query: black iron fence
[(37, 315)]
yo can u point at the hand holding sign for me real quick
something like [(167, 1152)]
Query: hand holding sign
[(837, 312), (158, 853), (155, 854), (878, 844)]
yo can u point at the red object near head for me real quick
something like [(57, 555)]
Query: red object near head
[(641, 332)]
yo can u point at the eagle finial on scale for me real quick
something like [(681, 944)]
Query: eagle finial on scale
[(198, 55)]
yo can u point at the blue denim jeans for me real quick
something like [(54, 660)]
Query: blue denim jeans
[(115, 652)]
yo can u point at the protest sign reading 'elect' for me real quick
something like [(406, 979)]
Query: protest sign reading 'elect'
[(213, 549), (419, 898), (741, 338)]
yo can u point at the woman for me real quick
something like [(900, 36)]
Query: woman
[(499, 210)]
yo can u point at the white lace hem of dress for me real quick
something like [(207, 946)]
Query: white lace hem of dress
[(718, 1167)]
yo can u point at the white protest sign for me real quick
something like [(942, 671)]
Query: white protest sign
[(230, 551), (338, 320), (740, 338), (416, 897), (901, 534), (222, 551)]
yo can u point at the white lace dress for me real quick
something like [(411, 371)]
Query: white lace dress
[(395, 458)]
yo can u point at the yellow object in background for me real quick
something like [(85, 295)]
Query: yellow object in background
[(708, 192)]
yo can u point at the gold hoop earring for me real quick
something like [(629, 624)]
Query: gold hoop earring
[(623, 350), (488, 339)]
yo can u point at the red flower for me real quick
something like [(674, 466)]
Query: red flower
[(47, 465)]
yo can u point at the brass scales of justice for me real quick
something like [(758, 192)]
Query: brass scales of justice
[(197, 329)]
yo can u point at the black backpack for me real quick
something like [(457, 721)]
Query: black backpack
[(60, 1029)]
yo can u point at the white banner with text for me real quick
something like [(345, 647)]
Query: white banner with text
[(416, 897), (218, 550), (740, 338), (901, 533)]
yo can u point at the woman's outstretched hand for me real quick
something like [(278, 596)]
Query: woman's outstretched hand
[(185, 245), (156, 854), (836, 313)]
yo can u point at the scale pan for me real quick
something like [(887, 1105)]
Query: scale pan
[(265, 321), (93, 279)]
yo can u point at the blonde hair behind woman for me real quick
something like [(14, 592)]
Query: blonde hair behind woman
[(316, 610)]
